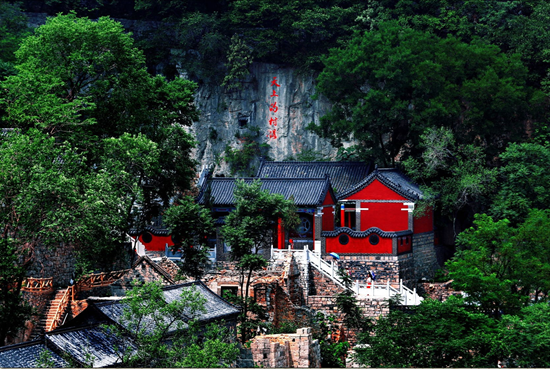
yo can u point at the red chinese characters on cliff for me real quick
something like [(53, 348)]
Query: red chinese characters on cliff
[(273, 108)]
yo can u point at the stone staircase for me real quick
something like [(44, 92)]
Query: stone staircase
[(369, 290), (52, 313)]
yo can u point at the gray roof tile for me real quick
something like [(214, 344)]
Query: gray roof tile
[(343, 175), (26, 355), (392, 178), (91, 345), (216, 307), (306, 191)]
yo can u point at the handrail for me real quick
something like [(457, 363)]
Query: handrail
[(324, 267), (61, 308), (37, 284), (369, 290), (100, 279), (372, 290)]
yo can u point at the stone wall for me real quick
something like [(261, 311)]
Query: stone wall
[(327, 305), (386, 267), (406, 269), (297, 350), (425, 259), (322, 285), (437, 291), (57, 262)]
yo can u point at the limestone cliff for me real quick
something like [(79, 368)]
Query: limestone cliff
[(226, 116)]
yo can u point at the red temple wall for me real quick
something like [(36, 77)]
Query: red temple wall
[(376, 191), (425, 223), (359, 246), (157, 243), (387, 216), (328, 216)]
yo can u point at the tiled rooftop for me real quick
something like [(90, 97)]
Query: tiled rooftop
[(93, 346), (26, 355), (392, 178), (343, 175), (306, 191)]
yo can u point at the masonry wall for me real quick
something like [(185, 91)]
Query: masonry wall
[(321, 284), (425, 259), (298, 350), (438, 291), (407, 272), (57, 262), (386, 268)]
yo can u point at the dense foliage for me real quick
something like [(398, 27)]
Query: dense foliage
[(84, 105), (250, 231), (93, 145), (190, 225), (169, 334)]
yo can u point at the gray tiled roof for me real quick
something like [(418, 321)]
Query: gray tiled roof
[(392, 178), (26, 355), (306, 191), (216, 307), (91, 345), (343, 175)]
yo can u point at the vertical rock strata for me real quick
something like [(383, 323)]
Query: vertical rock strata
[(225, 116)]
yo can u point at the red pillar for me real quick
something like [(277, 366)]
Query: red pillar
[(280, 234), (342, 215)]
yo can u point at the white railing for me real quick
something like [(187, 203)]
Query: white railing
[(328, 269), (386, 291), (362, 290)]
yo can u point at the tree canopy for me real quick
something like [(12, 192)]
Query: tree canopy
[(168, 334), (390, 84), (105, 145), (501, 267), (250, 230)]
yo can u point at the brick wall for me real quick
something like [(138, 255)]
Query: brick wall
[(406, 270), (321, 285), (425, 258), (297, 350), (437, 291), (57, 262), (358, 266)]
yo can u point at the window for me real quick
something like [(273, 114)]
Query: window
[(228, 291), (349, 215)]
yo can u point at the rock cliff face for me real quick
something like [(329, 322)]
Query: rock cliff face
[(227, 116)]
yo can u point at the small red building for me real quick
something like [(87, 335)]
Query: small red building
[(374, 222), (376, 216)]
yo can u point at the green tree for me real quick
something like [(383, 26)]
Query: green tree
[(122, 132), (168, 334), (14, 311), (13, 28), (501, 267), (434, 334), (250, 231), (523, 181), (332, 353), (523, 339), (239, 60), (50, 197), (83, 81), (455, 178), (190, 225), (390, 84)]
